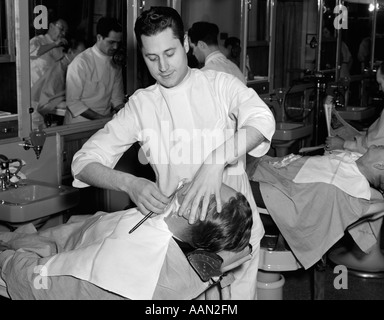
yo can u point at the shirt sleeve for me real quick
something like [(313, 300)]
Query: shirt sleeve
[(118, 90), (373, 136), (250, 110), (109, 144), (75, 86), (34, 45)]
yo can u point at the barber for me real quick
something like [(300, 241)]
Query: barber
[(94, 83), (191, 124)]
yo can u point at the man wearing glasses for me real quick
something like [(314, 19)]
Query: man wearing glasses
[(45, 52)]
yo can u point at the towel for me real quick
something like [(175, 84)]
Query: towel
[(111, 258), (340, 170)]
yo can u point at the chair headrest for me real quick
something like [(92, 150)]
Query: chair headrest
[(209, 265)]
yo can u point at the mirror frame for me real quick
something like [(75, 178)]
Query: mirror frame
[(339, 38)]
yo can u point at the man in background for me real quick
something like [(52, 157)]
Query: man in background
[(203, 40), (94, 83), (46, 52)]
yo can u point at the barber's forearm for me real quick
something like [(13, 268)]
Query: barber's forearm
[(92, 115), (100, 176), (242, 142), (46, 48)]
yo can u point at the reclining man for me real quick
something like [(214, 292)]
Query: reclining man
[(313, 200), (97, 257)]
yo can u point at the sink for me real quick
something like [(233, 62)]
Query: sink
[(288, 131), (34, 200), (356, 113)]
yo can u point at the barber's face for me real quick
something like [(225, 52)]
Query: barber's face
[(380, 79), (110, 44), (166, 58)]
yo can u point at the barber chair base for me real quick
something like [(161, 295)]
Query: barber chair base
[(270, 281), (270, 285), (358, 263)]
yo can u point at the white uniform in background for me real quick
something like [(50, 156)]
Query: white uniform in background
[(172, 125), (219, 62), (373, 136), (92, 83), (41, 67)]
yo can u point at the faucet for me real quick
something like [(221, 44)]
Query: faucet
[(6, 175)]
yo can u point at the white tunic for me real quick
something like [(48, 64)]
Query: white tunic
[(92, 83), (219, 62), (40, 65)]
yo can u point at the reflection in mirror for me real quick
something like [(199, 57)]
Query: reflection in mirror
[(70, 40), (8, 82), (355, 38), (225, 15), (379, 30)]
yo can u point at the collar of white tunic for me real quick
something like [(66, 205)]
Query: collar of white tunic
[(99, 54)]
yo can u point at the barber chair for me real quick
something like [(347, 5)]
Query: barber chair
[(275, 258), (217, 270), (358, 263)]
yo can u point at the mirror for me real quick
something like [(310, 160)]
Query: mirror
[(348, 52), (59, 30), (225, 14), (258, 46), (8, 81), (352, 40)]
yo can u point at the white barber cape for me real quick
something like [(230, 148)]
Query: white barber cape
[(108, 256), (339, 169)]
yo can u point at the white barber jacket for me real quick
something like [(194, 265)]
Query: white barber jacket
[(219, 62), (92, 83), (179, 127)]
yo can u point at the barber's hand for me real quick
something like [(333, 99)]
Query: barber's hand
[(207, 183), (334, 143), (147, 197), (4, 246), (62, 42)]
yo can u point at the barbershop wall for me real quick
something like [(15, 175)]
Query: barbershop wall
[(45, 169)]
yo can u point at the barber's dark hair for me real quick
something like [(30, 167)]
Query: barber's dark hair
[(229, 230), (157, 19), (204, 31), (105, 25), (73, 44)]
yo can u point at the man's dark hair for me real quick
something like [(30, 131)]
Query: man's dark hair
[(204, 31), (157, 19), (106, 25), (229, 230)]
